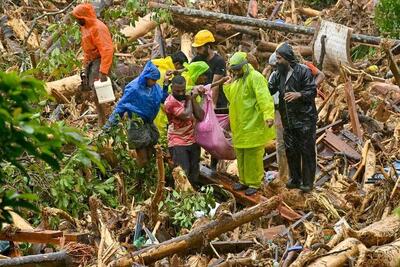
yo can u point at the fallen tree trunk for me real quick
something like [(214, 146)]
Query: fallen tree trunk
[(57, 259), (199, 236), (264, 24), (264, 46), (387, 255), (64, 88), (339, 255), (378, 233)]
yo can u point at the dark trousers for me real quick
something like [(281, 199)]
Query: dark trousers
[(92, 72), (301, 155), (188, 157)]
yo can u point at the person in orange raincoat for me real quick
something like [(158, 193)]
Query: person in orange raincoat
[(97, 49)]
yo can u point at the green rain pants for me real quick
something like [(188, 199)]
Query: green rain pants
[(250, 165)]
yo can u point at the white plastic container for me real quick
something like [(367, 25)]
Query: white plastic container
[(104, 91)]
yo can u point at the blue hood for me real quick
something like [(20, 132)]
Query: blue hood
[(139, 98), (150, 71)]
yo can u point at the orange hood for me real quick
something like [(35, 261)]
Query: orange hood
[(85, 12)]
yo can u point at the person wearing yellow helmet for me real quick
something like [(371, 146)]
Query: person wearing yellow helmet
[(202, 44)]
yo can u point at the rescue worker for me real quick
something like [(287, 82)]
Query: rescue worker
[(179, 59), (141, 101), (202, 44), (297, 92), (196, 73), (280, 144), (97, 49), (251, 114), (183, 111)]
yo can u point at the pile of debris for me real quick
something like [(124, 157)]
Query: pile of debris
[(347, 220)]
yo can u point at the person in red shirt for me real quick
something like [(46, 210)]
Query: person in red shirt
[(98, 50), (182, 111)]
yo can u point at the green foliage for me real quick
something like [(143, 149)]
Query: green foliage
[(182, 206), (10, 200), (362, 51), (63, 59), (29, 143), (387, 18), (139, 180), (21, 130)]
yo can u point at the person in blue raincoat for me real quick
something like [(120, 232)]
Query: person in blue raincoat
[(141, 102)]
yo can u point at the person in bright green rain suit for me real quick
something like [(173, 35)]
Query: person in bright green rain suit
[(195, 74), (251, 114)]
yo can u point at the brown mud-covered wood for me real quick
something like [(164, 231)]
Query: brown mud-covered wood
[(57, 259), (378, 233), (387, 255), (199, 236), (339, 255)]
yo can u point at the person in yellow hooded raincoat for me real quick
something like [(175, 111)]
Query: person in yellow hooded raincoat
[(251, 113)]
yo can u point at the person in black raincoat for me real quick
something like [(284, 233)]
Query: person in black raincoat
[(297, 91)]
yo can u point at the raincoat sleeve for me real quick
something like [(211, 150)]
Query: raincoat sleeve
[(164, 93), (119, 108), (308, 89), (273, 83), (102, 40), (264, 99)]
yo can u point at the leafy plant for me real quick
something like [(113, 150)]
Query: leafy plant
[(182, 206), (63, 58), (362, 51), (387, 18), (27, 140)]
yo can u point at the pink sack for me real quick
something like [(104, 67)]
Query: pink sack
[(209, 133)]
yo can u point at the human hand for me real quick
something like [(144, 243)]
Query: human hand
[(292, 96), (269, 123), (103, 77), (198, 90), (228, 79)]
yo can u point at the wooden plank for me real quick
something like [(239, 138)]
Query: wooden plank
[(227, 183), (32, 236), (334, 142), (44, 236), (351, 103)]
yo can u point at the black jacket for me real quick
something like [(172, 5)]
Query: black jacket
[(301, 112)]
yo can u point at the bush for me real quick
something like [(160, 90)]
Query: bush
[(387, 18)]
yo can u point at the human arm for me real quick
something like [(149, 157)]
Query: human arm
[(264, 99), (307, 88), (273, 83), (219, 73), (198, 112), (103, 42)]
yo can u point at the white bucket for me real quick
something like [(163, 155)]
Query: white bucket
[(104, 91)]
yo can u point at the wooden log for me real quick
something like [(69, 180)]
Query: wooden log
[(378, 233), (57, 259), (142, 27), (43, 236), (339, 255), (67, 87), (264, 24), (159, 194), (351, 103), (393, 65), (387, 255), (265, 46), (199, 236), (309, 12)]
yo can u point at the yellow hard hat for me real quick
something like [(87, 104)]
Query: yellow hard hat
[(203, 37)]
